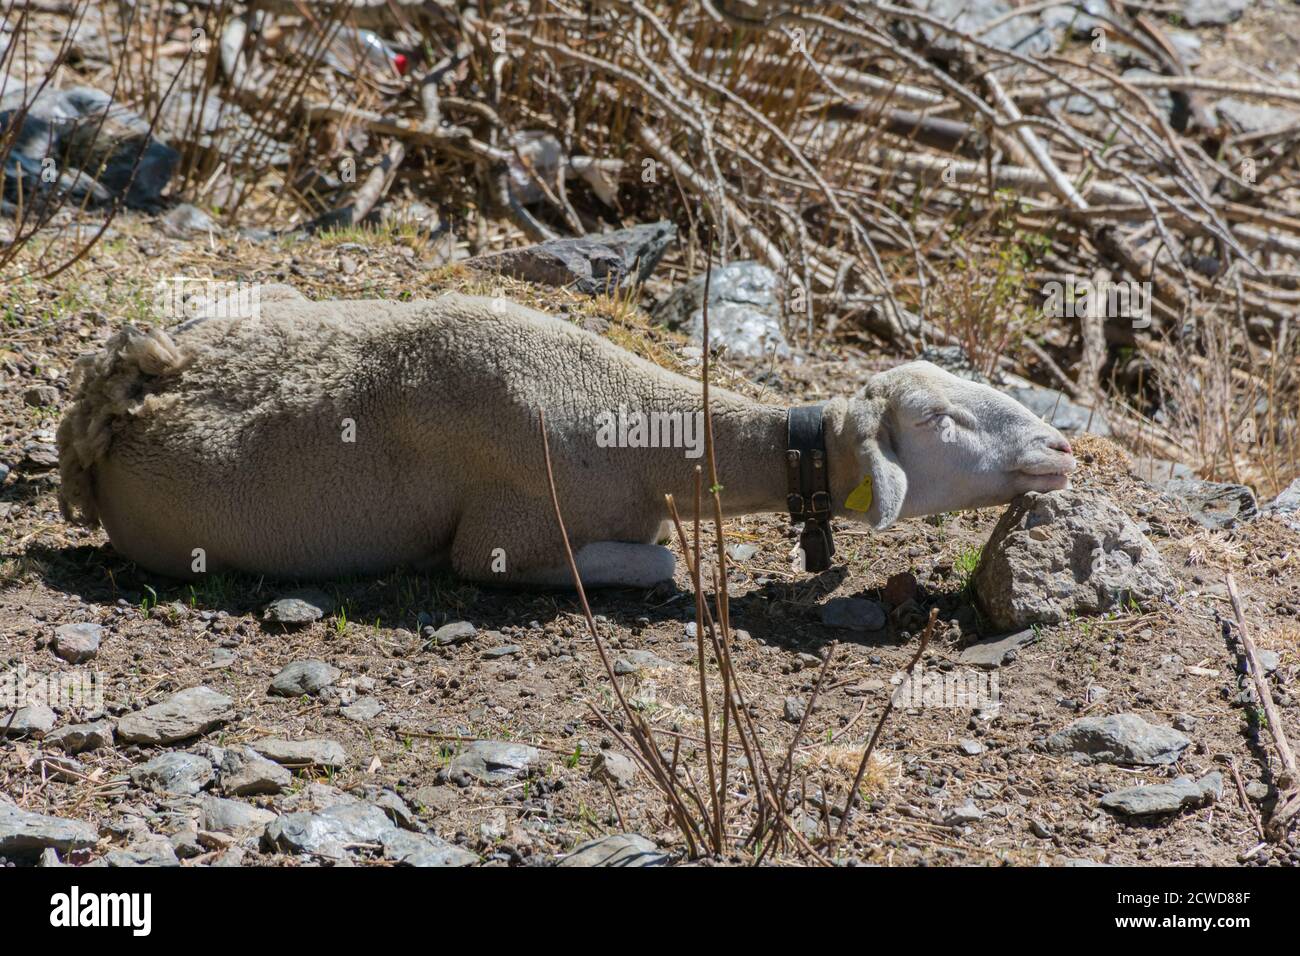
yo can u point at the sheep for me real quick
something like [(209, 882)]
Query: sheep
[(329, 438)]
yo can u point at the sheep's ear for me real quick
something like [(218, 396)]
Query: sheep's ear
[(888, 480)]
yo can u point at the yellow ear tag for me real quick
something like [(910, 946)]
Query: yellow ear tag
[(859, 498)]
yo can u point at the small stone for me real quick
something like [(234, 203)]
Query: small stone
[(362, 710), (173, 772), (244, 773), (853, 614), (24, 834), (457, 632), (186, 220), (619, 769), (313, 753), (34, 720), (151, 852), (1185, 722), (77, 643), (1269, 660), (296, 610), (76, 738), (185, 843), (971, 748), (191, 712), (741, 552), (964, 814), (631, 662), (40, 395), (1040, 829), (793, 710), (900, 588), (493, 761), (506, 650), (1258, 791), (620, 849), (300, 678), (995, 651), (423, 849)]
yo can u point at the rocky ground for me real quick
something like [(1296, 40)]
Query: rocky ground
[(416, 720)]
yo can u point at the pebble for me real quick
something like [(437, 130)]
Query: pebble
[(793, 710), (301, 608), (619, 769), (79, 738), (328, 831), (457, 632), (244, 773), (362, 709), (971, 748), (232, 816), (995, 651), (631, 662), (506, 650), (853, 614), (77, 643), (306, 677)]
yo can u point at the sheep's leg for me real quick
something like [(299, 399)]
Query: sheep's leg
[(531, 553)]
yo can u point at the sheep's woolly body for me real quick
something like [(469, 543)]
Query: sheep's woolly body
[(232, 439)]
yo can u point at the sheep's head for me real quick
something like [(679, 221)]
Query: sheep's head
[(932, 442)]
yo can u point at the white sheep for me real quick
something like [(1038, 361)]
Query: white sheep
[(326, 438)]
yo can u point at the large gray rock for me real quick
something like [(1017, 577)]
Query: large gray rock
[(494, 761), (1119, 739), (25, 834), (1056, 555), (1180, 794), (299, 754), (191, 712), (588, 264), (34, 720), (1213, 504), (102, 152), (329, 831), (303, 677), (745, 310), (423, 849), (173, 772), (620, 849)]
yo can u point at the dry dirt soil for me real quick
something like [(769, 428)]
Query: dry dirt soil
[(1166, 663)]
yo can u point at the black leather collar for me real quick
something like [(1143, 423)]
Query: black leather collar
[(808, 480)]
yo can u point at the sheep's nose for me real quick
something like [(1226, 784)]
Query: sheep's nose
[(1059, 443)]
